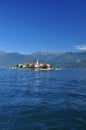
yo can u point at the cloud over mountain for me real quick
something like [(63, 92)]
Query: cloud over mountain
[(81, 47)]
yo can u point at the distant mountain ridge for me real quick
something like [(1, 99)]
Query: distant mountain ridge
[(58, 59)]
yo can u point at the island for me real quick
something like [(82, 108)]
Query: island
[(37, 66)]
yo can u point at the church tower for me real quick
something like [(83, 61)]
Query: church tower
[(37, 62)]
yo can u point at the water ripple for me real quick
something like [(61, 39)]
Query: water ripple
[(43, 100)]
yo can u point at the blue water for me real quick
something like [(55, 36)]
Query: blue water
[(43, 100)]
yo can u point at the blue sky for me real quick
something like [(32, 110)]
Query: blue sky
[(27, 26)]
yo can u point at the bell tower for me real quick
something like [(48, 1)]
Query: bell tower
[(37, 62)]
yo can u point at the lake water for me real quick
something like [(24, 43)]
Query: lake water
[(43, 100)]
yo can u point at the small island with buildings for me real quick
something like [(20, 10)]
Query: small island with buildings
[(37, 66)]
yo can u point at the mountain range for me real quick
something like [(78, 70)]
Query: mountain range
[(57, 59)]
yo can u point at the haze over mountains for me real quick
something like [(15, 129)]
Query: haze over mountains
[(57, 59)]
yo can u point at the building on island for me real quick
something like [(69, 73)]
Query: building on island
[(36, 65)]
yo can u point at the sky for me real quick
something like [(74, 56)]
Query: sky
[(28, 26)]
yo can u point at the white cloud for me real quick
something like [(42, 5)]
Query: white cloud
[(81, 47)]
